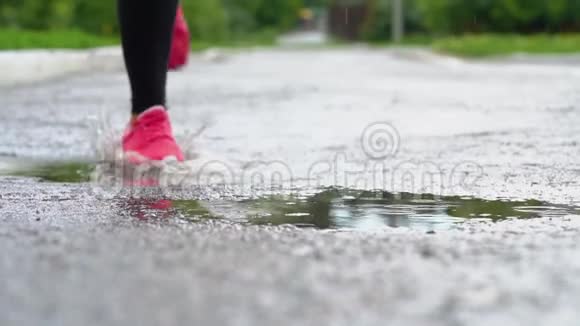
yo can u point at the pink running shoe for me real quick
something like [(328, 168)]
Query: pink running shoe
[(150, 138), (180, 44)]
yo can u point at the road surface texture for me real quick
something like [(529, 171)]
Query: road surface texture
[(490, 130)]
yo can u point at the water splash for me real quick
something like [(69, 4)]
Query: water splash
[(111, 170)]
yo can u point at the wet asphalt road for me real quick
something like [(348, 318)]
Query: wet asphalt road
[(489, 130)]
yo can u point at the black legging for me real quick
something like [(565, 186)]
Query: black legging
[(146, 29)]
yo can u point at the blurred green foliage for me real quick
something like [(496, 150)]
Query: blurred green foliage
[(251, 16), (209, 20), (223, 21), (456, 17), (13, 39), (497, 16), (482, 45), (378, 24)]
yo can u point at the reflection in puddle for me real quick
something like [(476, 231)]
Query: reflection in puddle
[(70, 172), (155, 208), (323, 209), (367, 210), (145, 209)]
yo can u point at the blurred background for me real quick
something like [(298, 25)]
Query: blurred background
[(474, 27)]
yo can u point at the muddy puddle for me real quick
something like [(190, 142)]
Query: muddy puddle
[(323, 208)]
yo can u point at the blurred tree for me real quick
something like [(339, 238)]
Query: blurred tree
[(207, 19), (9, 16), (241, 15), (278, 14), (316, 3), (501, 16), (47, 14), (217, 20), (96, 16), (61, 13), (253, 15), (378, 24), (454, 16)]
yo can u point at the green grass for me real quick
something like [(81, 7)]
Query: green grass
[(496, 45), (484, 45), (14, 39), (488, 45)]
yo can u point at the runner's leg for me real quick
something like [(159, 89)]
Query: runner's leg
[(146, 31)]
